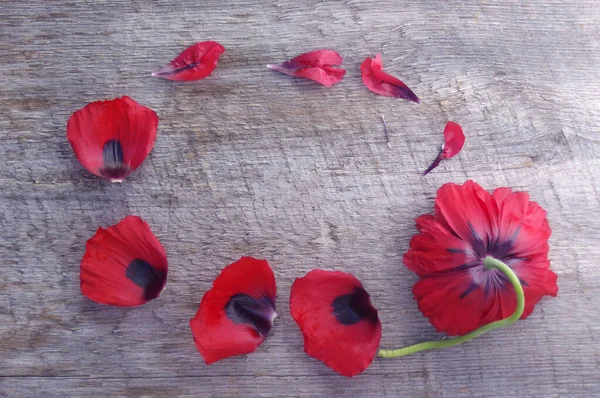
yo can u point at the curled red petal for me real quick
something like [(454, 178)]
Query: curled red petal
[(112, 138), (454, 140), (124, 264), (237, 313), (339, 324), (320, 66), (455, 291), (382, 83), (194, 63)]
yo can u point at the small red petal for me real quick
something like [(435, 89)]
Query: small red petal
[(382, 83), (194, 63), (112, 138), (319, 66), (338, 322), (454, 140), (124, 265), (236, 314)]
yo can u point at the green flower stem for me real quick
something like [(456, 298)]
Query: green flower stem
[(489, 263)]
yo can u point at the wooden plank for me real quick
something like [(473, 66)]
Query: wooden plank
[(251, 162)]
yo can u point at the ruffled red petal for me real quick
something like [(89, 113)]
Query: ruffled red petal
[(320, 66), (236, 314), (194, 63), (112, 138), (456, 292), (338, 322), (382, 83), (124, 265)]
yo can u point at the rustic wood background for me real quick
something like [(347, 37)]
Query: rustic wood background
[(252, 162)]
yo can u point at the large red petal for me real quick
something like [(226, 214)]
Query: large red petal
[(537, 279), (451, 302), (112, 138), (382, 83), (469, 211), (194, 63), (522, 222), (316, 65), (454, 139), (124, 265), (436, 249), (348, 348), (216, 335)]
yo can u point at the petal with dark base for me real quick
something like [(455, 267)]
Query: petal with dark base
[(237, 313), (454, 140), (339, 324), (194, 63), (124, 265), (112, 138), (321, 66), (379, 82)]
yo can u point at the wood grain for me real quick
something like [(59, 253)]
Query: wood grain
[(251, 162)]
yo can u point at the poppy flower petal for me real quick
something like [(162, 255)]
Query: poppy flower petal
[(112, 138), (382, 83), (454, 140), (456, 291), (452, 302), (340, 326), (237, 313), (194, 63), (124, 264), (319, 66)]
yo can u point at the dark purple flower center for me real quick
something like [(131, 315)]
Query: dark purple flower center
[(488, 280)]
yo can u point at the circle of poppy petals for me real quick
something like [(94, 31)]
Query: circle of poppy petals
[(237, 313), (124, 264), (340, 326), (455, 291), (112, 138)]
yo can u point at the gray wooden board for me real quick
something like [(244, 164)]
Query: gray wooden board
[(252, 162)]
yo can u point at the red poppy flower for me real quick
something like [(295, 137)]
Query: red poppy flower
[(112, 138), (124, 264), (454, 139), (455, 291), (319, 65), (381, 83), (339, 324), (237, 313), (194, 63)]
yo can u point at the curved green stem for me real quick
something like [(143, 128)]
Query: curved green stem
[(489, 263)]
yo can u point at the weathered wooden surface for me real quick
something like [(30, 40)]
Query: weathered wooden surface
[(251, 162)]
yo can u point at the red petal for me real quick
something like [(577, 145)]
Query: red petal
[(454, 139), (468, 210), (381, 83), (220, 334), (194, 63), (343, 334), (436, 249), (112, 138), (440, 300), (124, 265), (522, 221), (316, 65)]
